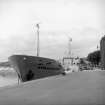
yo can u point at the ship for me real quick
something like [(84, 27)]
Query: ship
[(35, 67)]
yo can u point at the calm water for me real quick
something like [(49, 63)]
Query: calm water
[(5, 81), (8, 77)]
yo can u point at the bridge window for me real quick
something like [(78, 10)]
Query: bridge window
[(40, 64)]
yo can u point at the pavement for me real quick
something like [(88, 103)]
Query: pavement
[(77, 88)]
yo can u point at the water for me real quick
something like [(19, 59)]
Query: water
[(8, 77), (4, 81)]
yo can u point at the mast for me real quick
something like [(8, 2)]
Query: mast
[(38, 49), (69, 47)]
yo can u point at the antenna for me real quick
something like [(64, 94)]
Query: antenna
[(38, 49)]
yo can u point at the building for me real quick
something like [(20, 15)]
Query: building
[(70, 63), (102, 52)]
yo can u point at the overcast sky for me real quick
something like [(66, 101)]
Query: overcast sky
[(81, 20)]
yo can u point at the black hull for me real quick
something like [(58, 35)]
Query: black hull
[(32, 67)]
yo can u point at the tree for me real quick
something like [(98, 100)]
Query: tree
[(82, 61), (94, 57)]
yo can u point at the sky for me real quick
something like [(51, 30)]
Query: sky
[(59, 20)]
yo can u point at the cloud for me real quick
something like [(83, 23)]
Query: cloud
[(79, 19)]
